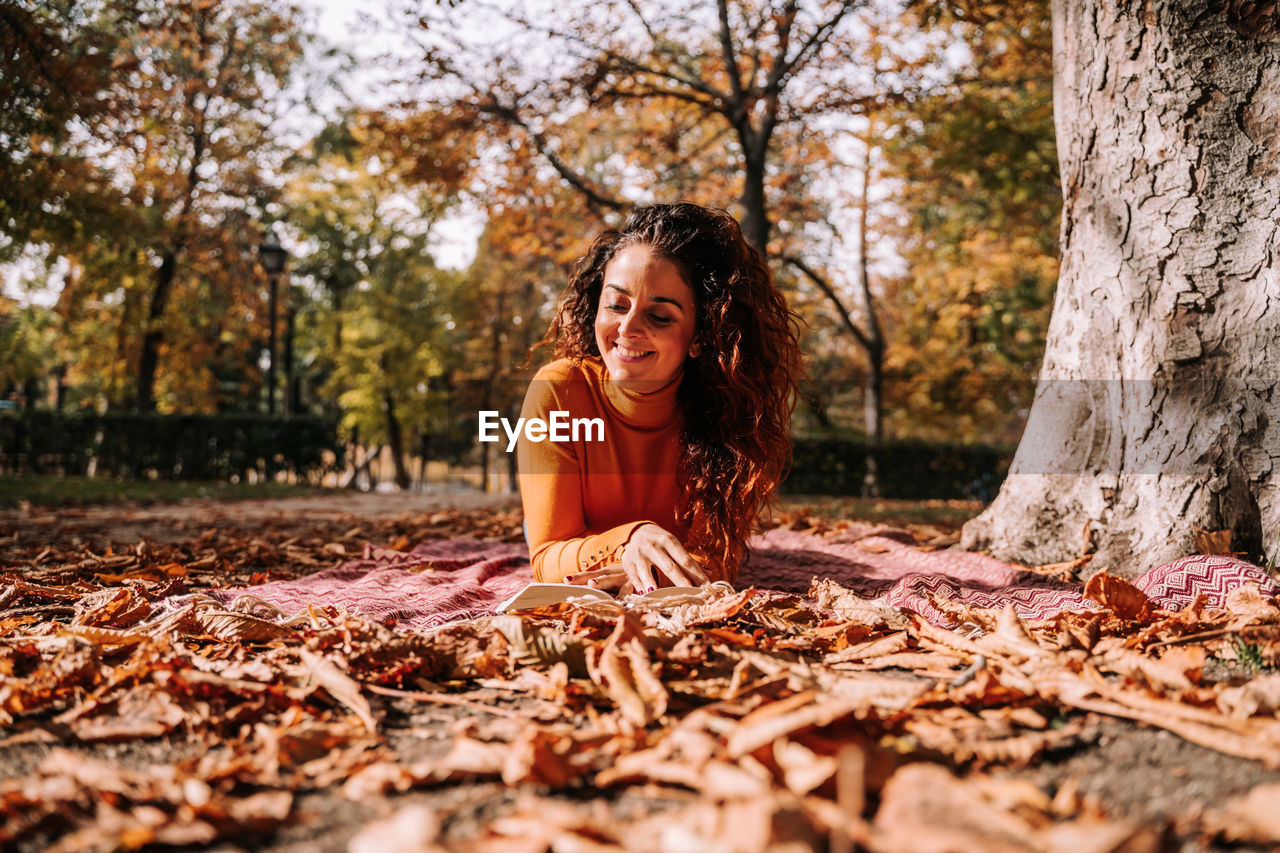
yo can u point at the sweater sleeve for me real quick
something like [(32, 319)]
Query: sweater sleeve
[(550, 476)]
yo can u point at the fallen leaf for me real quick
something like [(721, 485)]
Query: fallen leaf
[(1253, 818), (1119, 596), (339, 685), (412, 829), (1212, 541)]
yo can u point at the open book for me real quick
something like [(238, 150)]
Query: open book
[(541, 594)]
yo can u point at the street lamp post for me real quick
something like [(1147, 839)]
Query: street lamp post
[(273, 258)]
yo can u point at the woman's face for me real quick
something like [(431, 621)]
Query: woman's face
[(645, 321)]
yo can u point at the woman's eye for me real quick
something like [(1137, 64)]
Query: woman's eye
[(615, 307), (660, 319)]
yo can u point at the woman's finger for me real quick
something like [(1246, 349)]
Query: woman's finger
[(638, 569), (665, 564), (687, 567), (693, 570)]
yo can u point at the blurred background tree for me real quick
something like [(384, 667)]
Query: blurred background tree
[(977, 209), (384, 335), (62, 60), (746, 105), (171, 153)]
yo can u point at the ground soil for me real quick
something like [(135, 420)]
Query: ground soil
[(1134, 772)]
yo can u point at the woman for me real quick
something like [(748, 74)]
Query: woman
[(672, 336)]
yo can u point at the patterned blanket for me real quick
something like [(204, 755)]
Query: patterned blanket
[(449, 579)]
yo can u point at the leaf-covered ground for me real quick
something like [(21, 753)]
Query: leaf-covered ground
[(732, 721)]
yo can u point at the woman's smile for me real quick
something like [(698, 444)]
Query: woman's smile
[(627, 354)]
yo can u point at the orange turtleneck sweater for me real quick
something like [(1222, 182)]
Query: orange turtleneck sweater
[(583, 498)]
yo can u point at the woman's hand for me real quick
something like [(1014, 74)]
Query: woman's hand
[(653, 553)]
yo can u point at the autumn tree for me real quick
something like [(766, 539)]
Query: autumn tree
[(387, 337), (975, 170), (624, 102), (179, 141), (511, 287), (61, 59), (27, 353), (1154, 416)]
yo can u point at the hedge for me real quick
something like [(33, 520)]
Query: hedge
[(180, 447), (906, 468)]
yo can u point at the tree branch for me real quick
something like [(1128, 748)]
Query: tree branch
[(830, 292), (633, 65), (815, 41), (786, 21), (726, 49), (575, 180), (660, 45), (655, 92)]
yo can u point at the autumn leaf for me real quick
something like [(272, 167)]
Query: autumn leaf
[(1119, 596)]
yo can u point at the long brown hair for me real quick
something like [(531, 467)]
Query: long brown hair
[(737, 396)]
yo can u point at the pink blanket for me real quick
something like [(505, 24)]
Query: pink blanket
[(437, 582), (883, 567), (449, 579)]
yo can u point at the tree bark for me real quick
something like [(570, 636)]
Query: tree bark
[(1155, 412), (873, 394), (755, 214), (144, 397), (395, 441)]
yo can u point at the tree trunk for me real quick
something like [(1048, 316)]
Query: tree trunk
[(395, 441), (361, 460), (873, 393), (144, 398), (292, 404), (755, 216), (1155, 411)]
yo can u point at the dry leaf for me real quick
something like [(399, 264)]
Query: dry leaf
[(1212, 541), (622, 667), (1260, 695), (1248, 602), (924, 809), (339, 685), (231, 627), (412, 829), (802, 768), (1119, 596), (1253, 818)]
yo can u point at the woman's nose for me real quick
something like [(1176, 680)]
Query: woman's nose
[(630, 323)]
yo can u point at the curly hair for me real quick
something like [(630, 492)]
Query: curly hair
[(737, 396)]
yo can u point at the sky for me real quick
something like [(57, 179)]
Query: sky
[(343, 23)]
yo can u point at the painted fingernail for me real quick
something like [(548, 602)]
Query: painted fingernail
[(650, 589)]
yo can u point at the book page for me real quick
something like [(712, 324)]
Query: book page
[(541, 594)]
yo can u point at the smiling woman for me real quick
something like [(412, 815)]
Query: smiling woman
[(672, 333)]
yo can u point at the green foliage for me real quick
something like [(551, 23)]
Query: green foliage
[(387, 334), (27, 339), (153, 173), (178, 447), (1248, 655), (61, 60), (978, 166)]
